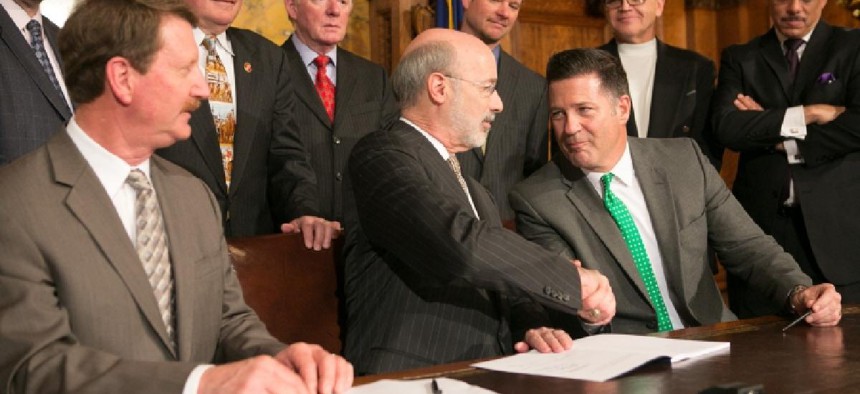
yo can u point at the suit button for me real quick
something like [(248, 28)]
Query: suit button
[(338, 176), (336, 140), (652, 325), (685, 129), (547, 290)]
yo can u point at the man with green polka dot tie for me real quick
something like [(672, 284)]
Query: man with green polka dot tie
[(644, 211)]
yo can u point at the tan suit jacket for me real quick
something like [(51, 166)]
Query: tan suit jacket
[(76, 310)]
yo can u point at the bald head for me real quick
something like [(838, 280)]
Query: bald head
[(442, 51)]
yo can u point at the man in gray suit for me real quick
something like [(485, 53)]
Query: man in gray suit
[(34, 104), (435, 278), (114, 275), (359, 98), (618, 206), (518, 144)]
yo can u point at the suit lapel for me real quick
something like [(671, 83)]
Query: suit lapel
[(612, 48), (346, 81), (205, 136), (247, 104), (180, 257), (669, 83), (24, 53), (816, 49), (587, 202), (661, 207), (304, 86), (772, 54), (90, 204)]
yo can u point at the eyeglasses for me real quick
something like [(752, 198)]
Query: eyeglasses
[(617, 3), (487, 88)]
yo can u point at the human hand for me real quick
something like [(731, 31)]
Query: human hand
[(261, 374), (821, 113), (321, 371), (746, 103), (824, 301), (544, 340), (317, 231), (598, 301)]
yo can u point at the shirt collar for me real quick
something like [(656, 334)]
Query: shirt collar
[(222, 41), (435, 142), (781, 38), (308, 55), (20, 17), (109, 168), (623, 172)]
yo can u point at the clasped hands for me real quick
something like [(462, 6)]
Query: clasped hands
[(300, 368), (598, 308)]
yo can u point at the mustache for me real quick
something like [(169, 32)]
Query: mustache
[(792, 18), (490, 118)]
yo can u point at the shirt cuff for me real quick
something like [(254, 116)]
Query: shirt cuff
[(794, 123), (792, 152), (193, 381)]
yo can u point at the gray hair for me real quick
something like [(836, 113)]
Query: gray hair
[(409, 79)]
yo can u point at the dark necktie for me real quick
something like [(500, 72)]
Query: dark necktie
[(324, 86), (152, 247), (791, 56), (35, 30), (631, 236)]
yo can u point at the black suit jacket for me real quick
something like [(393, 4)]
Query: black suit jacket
[(518, 142), (428, 282), (828, 184), (31, 109), (364, 103), (265, 132), (681, 100)]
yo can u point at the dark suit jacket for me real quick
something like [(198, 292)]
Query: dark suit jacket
[(31, 108), (430, 283), (264, 114), (518, 142), (78, 310), (364, 103), (690, 208), (828, 184), (681, 100)]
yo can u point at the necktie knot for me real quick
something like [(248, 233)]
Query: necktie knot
[(605, 180), (209, 43), (138, 181), (35, 29), (321, 61), (792, 44)]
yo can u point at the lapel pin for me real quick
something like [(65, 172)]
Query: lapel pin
[(247, 67)]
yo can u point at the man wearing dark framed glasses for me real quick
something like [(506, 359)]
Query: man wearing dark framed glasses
[(670, 87)]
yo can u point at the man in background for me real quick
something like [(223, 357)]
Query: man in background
[(341, 97), (434, 277), (788, 102), (621, 208), (518, 144), (35, 103), (244, 138), (670, 87), (114, 275)]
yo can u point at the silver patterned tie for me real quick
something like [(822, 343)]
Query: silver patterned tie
[(38, 45), (152, 247), (455, 166)]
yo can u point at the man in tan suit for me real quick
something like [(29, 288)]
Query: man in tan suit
[(78, 308)]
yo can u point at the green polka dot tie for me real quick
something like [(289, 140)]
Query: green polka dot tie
[(622, 218)]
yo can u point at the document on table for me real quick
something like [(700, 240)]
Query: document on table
[(602, 357), (418, 386)]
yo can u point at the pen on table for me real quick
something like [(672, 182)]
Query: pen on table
[(434, 387), (798, 320)]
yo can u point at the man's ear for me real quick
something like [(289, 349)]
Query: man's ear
[(120, 78), (437, 89), (622, 108)]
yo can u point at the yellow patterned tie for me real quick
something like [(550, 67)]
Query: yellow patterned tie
[(631, 236), (221, 103)]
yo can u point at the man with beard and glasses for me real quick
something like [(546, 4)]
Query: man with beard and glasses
[(789, 102), (114, 276), (434, 277)]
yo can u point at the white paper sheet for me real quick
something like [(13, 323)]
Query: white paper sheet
[(420, 386)]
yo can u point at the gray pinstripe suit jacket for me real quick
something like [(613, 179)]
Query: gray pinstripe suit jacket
[(364, 103), (31, 109), (428, 282), (518, 142)]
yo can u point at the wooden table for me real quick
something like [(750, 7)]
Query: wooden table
[(802, 360)]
